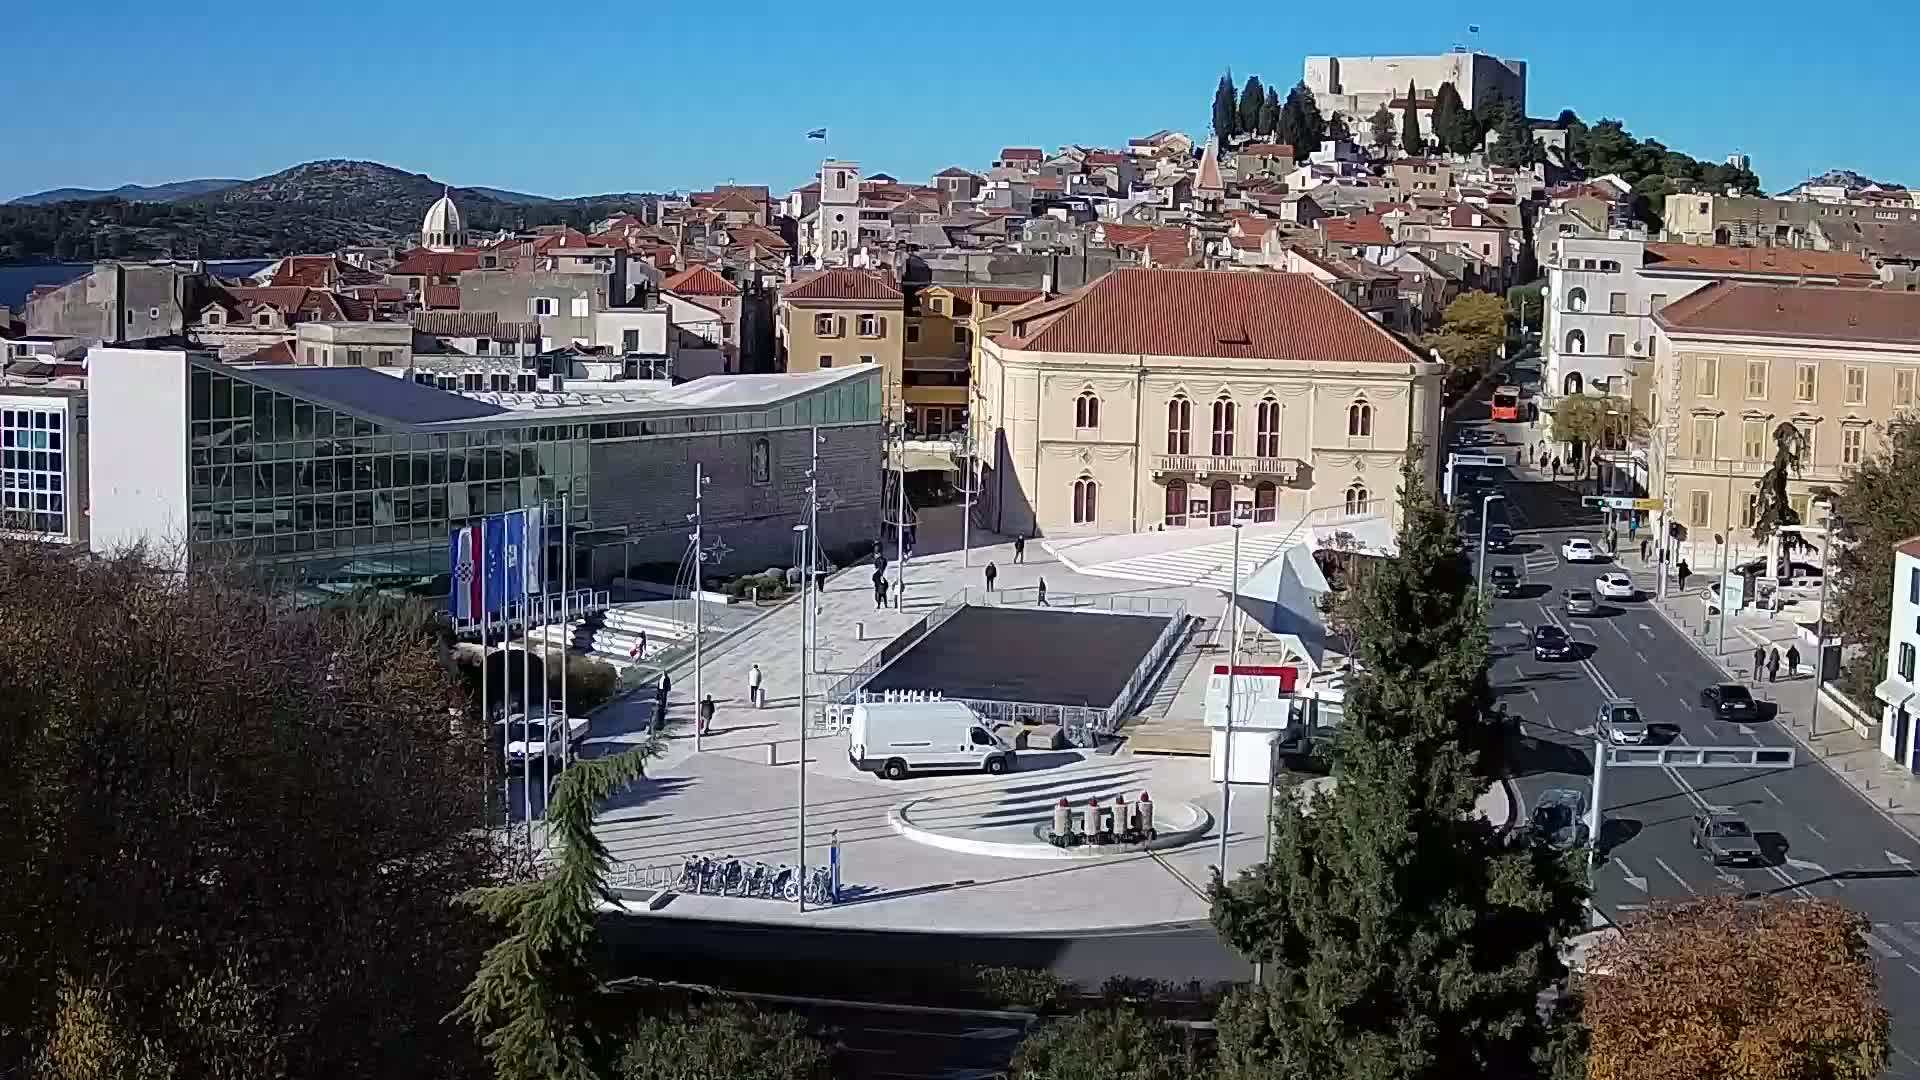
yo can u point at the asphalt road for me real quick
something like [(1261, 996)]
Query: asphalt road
[(1820, 838)]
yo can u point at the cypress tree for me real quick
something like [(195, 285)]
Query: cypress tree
[(1451, 128), (1226, 115), (1270, 113), (1403, 936), (1253, 98), (1411, 140), (1312, 126)]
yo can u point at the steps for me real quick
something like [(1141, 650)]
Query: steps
[(611, 635), (1209, 565)]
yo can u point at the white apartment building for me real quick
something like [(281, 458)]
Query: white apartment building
[(1899, 738)]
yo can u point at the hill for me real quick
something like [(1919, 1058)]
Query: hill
[(158, 193), (1845, 178), (316, 206)]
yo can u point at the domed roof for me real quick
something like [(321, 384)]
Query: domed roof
[(443, 219)]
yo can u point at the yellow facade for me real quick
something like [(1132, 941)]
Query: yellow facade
[(842, 333)]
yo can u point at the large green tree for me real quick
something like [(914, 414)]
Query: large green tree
[(233, 829), (1403, 936), (1114, 1042), (1380, 125), (1301, 124), (1253, 98), (1226, 111), (1597, 421), (1452, 124), (1411, 141), (1270, 112), (1877, 508)]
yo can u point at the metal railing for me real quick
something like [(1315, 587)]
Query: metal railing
[(539, 609), (1286, 468), (1169, 638), (843, 690)]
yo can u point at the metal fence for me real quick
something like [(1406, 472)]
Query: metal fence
[(537, 610), (1163, 646), (843, 690)]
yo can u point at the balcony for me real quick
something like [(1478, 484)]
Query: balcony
[(1203, 466)]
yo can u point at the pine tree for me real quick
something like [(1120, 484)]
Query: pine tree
[(1270, 113), (1337, 129), (1411, 140), (1313, 127), (1226, 115), (1451, 128), (1382, 124), (1403, 936), (1253, 98)]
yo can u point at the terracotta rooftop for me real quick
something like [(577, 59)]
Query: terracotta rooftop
[(1106, 157), (442, 296), (1760, 260), (1365, 229), (1127, 235), (1208, 313), (1269, 149), (1169, 246), (699, 281), (956, 171), (280, 352), (435, 263), (1021, 153), (477, 324), (1825, 312), (842, 283)]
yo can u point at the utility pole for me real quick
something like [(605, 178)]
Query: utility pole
[(700, 481), (966, 512), (808, 538), (1233, 659), (900, 518)]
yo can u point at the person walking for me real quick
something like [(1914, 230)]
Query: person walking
[(1683, 572), (755, 696), (705, 716), (660, 692), (1556, 466), (991, 573), (879, 590), (1759, 661), (1793, 661), (1042, 590), (1773, 665), (1020, 548), (1646, 546)]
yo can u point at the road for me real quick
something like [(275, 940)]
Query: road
[(1820, 838)]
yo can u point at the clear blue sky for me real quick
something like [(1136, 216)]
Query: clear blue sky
[(587, 97)]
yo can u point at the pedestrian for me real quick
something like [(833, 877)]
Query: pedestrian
[(1556, 465), (879, 590), (756, 697), (660, 705), (1759, 661), (879, 563), (1613, 539), (992, 572), (1773, 665), (705, 720), (1793, 661), (1042, 590), (666, 683), (1682, 570), (1646, 545), (1020, 548), (913, 540)]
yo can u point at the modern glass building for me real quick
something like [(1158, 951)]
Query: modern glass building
[(338, 477)]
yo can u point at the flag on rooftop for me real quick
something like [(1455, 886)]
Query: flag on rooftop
[(817, 133)]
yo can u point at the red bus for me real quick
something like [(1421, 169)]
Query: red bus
[(1506, 403)]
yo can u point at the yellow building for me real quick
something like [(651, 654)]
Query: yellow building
[(1735, 360), (944, 327), (842, 317), (1174, 398)]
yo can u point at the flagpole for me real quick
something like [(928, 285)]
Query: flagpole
[(699, 555), (546, 614), (566, 601)]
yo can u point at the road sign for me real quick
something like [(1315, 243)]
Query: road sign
[(1486, 460), (1700, 757), (1620, 502)]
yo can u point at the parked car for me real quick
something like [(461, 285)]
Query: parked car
[(1505, 580), (1616, 587), (1620, 723), (1731, 702), (1580, 602), (1499, 537), (1560, 818), (895, 739), (1724, 837), (1552, 643), (540, 736), (1579, 550)]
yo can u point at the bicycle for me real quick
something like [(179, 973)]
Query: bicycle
[(819, 888), (690, 875), (756, 885)]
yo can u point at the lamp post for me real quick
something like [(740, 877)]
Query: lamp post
[(803, 534), (1233, 658), (1722, 543), (700, 482), (1486, 507)]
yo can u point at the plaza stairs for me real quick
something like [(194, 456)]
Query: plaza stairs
[(1208, 565), (610, 635)]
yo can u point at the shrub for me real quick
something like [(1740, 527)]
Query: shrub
[(726, 1040), (590, 683), (1025, 988)]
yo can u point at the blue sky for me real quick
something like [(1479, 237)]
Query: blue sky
[(589, 97)]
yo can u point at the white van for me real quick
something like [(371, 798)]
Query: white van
[(892, 739)]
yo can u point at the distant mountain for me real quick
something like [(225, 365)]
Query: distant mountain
[(314, 207), (1846, 178), (158, 193)]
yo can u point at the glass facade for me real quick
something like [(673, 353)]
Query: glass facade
[(33, 468), (332, 497)]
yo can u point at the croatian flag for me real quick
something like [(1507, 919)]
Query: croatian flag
[(463, 599), (817, 133), (494, 567)]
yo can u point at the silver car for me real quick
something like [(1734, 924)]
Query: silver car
[(1620, 723), (1580, 602)]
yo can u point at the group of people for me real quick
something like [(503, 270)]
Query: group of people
[(1769, 660)]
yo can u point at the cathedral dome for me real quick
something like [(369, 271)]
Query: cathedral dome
[(442, 227)]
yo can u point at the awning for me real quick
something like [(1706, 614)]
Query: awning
[(1894, 692)]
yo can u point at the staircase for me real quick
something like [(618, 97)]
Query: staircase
[(611, 635), (1208, 565)]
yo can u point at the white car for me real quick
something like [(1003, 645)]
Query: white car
[(1621, 724), (525, 738), (1578, 550), (1615, 587)]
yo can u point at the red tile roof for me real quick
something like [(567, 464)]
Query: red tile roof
[(1106, 157), (1824, 312), (955, 171), (734, 202), (1269, 149), (442, 296), (1127, 236), (1210, 313), (1760, 260), (1002, 294), (1021, 153), (1046, 183), (1365, 229), (1169, 246), (280, 352), (320, 272), (1909, 546), (699, 281), (435, 263), (842, 283)]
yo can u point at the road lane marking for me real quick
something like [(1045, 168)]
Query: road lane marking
[(1672, 873), (1615, 627), (1662, 678), (1532, 694), (1916, 971), (1814, 831), (1898, 936), (1885, 950), (1648, 630), (1771, 795), (1642, 657), (1640, 882)]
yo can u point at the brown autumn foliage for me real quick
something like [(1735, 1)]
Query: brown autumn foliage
[(1719, 988), (233, 829)]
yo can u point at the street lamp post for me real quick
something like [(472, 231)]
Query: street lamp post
[(806, 615), (1486, 507), (1722, 543), (1233, 658), (700, 481)]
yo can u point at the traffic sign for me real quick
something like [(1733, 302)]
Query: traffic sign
[(1620, 502)]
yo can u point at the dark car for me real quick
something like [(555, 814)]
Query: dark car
[(1560, 818), (1499, 537), (1551, 643), (1505, 580), (1730, 701)]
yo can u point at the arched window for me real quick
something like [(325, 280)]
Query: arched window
[(1577, 299), (1265, 500), (1266, 429), (1176, 503), (1179, 425), (1571, 385), (1220, 503), (1086, 411), (1357, 498), (1360, 419), (1576, 341), (1085, 501), (1223, 427)]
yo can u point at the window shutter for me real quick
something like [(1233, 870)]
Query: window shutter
[(883, 326), (840, 325)]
